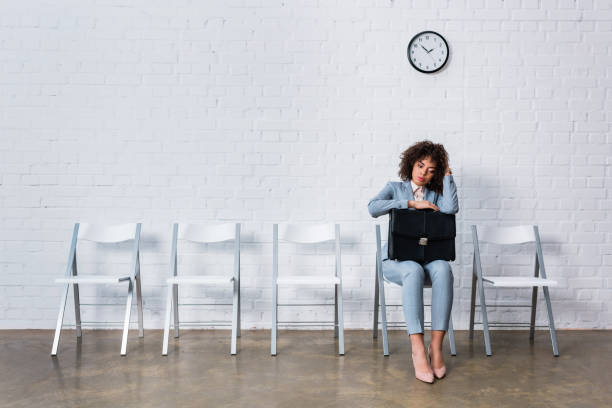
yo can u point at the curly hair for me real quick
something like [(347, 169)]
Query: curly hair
[(421, 150)]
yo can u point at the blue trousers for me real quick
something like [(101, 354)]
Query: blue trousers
[(411, 276)]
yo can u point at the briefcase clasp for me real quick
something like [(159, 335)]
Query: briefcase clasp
[(423, 241)]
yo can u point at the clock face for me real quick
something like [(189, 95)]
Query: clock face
[(428, 52)]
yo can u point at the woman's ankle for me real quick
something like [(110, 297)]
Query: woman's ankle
[(436, 348), (417, 342)]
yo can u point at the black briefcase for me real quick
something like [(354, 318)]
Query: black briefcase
[(421, 235)]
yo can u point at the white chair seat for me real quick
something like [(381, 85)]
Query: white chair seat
[(84, 279), (518, 281), (308, 280), (199, 280)]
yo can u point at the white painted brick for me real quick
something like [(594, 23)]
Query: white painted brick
[(260, 113)]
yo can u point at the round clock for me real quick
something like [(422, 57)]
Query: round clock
[(428, 52)]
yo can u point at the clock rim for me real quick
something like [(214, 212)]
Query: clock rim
[(443, 63)]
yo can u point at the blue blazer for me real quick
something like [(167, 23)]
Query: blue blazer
[(396, 194)]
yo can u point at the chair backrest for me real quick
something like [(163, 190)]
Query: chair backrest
[(506, 235), (307, 234), (207, 233), (107, 233)]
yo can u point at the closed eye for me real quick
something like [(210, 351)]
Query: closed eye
[(431, 170)]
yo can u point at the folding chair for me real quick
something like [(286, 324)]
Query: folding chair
[(379, 301), (203, 234), (308, 235), (105, 235), (508, 236)]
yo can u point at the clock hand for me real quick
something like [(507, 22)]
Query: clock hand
[(430, 50), (425, 49)]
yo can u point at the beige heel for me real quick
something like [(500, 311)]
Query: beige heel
[(439, 373), (423, 376)]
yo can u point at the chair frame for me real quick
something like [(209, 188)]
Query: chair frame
[(478, 284), (380, 304), (338, 300), (172, 294), (133, 279)]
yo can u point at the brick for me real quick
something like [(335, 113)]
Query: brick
[(264, 114)]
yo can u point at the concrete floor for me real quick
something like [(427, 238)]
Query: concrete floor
[(199, 372)]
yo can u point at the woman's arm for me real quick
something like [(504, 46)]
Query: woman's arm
[(448, 201), (384, 202)]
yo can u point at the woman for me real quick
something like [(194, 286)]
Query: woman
[(427, 183)]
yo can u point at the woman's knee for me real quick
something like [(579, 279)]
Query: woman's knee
[(440, 270), (411, 270), (391, 271)]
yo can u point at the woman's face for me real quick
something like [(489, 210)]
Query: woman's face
[(423, 171)]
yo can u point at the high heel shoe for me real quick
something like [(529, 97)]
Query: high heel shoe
[(427, 377), (439, 373)]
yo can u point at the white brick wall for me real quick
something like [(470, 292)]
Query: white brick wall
[(271, 111)]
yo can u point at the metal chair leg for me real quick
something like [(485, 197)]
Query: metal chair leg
[(376, 301), (139, 303), (485, 321), (77, 310), (335, 311), (234, 318), (274, 334), (381, 289), (126, 322), (534, 299), (383, 308), (340, 316), (167, 321), (539, 268), (551, 322), (473, 305), (239, 309), (477, 270), (175, 307), (534, 302), (451, 336), (274, 331), (60, 320)]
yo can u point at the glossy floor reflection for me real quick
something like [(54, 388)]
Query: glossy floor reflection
[(199, 372)]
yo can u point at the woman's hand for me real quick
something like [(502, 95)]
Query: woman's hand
[(422, 205)]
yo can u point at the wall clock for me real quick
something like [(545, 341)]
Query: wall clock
[(428, 52)]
